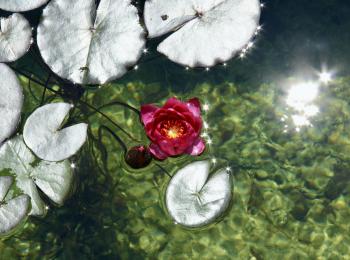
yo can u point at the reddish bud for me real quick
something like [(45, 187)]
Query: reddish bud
[(138, 157)]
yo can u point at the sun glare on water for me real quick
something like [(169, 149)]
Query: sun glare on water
[(301, 98)]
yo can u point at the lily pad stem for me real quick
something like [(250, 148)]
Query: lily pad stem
[(45, 88), (116, 137), (164, 170), (118, 103)]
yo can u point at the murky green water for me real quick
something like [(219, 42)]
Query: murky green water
[(290, 160)]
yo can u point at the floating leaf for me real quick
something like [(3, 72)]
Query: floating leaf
[(193, 200), (206, 32), (11, 102), (90, 46), (21, 5), (41, 133), (5, 183), (12, 211), (53, 179), (15, 37)]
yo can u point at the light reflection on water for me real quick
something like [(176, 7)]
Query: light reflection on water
[(301, 100)]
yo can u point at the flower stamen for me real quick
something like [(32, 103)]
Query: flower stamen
[(172, 128)]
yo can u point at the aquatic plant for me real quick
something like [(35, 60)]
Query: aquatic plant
[(203, 33), (89, 46), (21, 5), (53, 179), (12, 211), (11, 102), (174, 129), (81, 44), (43, 136), (290, 189), (193, 200), (15, 37)]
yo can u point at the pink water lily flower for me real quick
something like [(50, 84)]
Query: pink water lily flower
[(174, 129)]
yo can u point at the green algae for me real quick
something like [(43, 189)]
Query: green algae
[(291, 190)]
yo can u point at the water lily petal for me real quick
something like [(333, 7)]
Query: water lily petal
[(171, 102), (197, 148), (147, 113), (194, 106), (157, 152)]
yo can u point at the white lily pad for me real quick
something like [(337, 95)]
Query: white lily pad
[(15, 37), (204, 32), (12, 211), (11, 102), (90, 46), (53, 179), (5, 183), (193, 200), (42, 135), (21, 5)]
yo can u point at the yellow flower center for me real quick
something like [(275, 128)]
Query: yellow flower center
[(172, 128)]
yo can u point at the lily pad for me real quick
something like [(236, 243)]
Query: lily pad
[(11, 102), (21, 5), (204, 32), (193, 200), (90, 46), (12, 211), (42, 135), (15, 37), (53, 179)]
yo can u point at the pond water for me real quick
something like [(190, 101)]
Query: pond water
[(279, 118)]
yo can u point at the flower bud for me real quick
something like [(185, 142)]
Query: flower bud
[(138, 157)]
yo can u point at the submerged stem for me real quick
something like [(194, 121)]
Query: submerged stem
[(116, 137), (45, 88), (110, 120), (120, 104), (164, 170)]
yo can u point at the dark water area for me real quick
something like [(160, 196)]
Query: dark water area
[(290, 160), (298, 37)]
